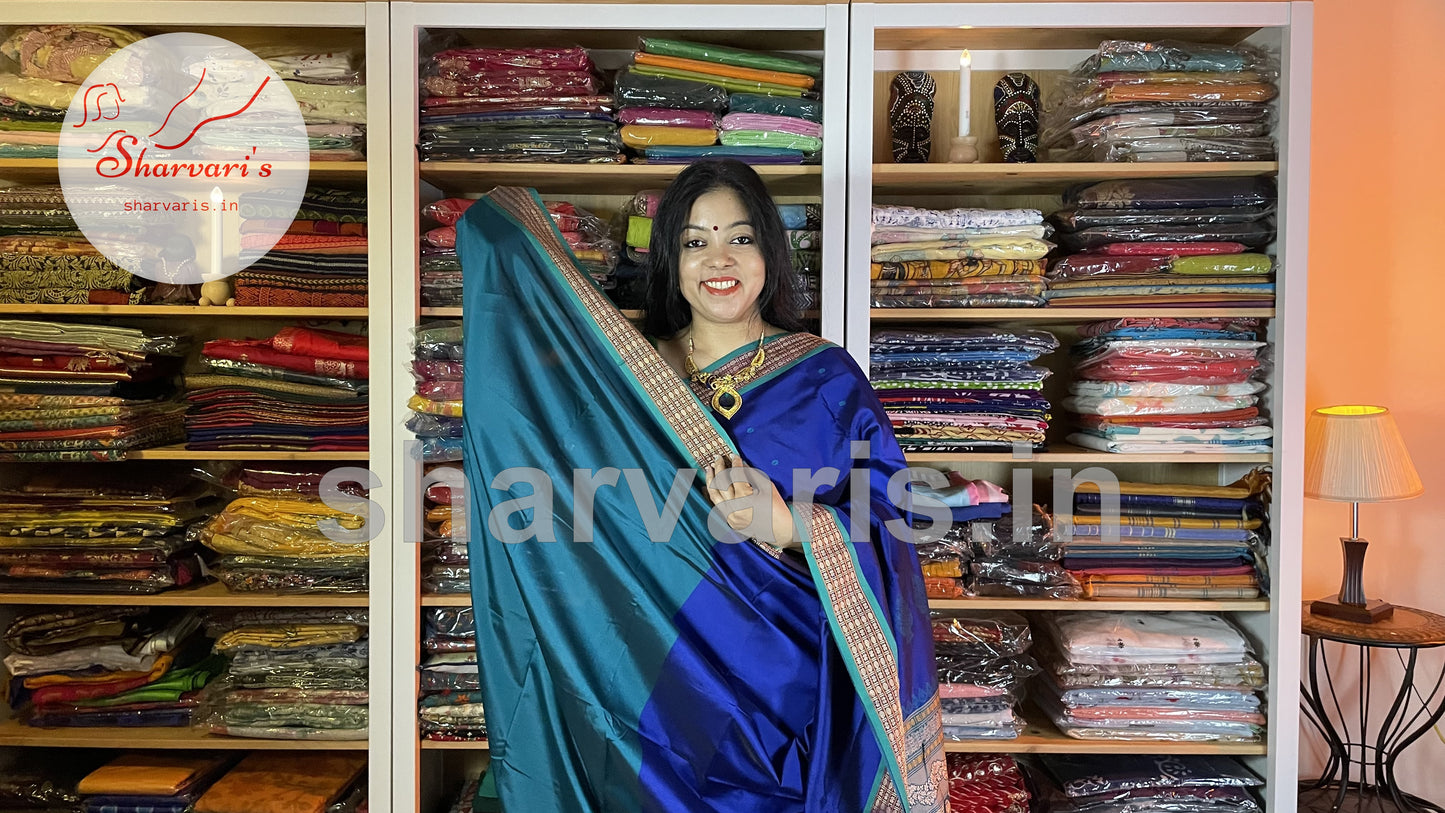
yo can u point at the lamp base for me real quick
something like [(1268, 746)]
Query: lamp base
[(1372, 611)]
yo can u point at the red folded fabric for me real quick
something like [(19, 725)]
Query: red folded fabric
[(321, 343)]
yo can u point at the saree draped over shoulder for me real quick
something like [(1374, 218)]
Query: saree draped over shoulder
[(629, 663)]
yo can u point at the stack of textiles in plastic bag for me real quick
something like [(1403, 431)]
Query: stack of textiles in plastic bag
[(982, 668), (271, 537), (436, 407), (107, 666), (303, 389), (672, 94), (448, 713), (79, 529), (991, 557), (293, 675), (321, 260), (151, 782), (1196, 242), (44, 258), (957, 258), (1162, 384), (54, 61), (986, 783), (1176, 677), (803, 222), (36, 782), (1127, 783), (446, 565), (75, 392), (291, 782), (330, 89), (1174, 540), (516, 104), (441, 271), (962, 389), (1165, 101)]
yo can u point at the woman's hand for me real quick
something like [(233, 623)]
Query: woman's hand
[(778, 533)]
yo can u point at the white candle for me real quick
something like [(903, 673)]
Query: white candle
[(217, 247), (965, 82)]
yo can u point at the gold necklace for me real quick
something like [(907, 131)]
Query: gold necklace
[(726, 386)]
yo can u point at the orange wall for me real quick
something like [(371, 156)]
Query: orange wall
[(1377, 297)]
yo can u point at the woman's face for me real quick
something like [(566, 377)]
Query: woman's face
[(720, 266)]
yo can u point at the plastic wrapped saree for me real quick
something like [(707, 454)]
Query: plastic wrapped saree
[(686, 674)]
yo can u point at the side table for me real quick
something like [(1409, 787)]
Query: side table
[(1359, 769)]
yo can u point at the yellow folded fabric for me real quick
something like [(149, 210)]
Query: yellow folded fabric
[(796, 80), (300, 512), (1171, 490), (147, 774), (645, 135), (1174, 522), (289, 636), (293, 782), (1174, 92), (954, 269)]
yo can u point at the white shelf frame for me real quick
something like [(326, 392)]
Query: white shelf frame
[(373, 18), (407, 20), (1276, 632)]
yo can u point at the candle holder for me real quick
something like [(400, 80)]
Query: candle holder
[(963, 150)]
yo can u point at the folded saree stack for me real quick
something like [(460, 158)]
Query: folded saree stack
[(1178, 677), (982, 667), (290, 782), (1160, 384), (446, 712), (587, 235), (962, 389), (445, 564), (279, 536), (53, 62), (957, 258), (292, 675), (1173, 540), (681, 101), (107, 667), (36, 782), (321, 260), (302, 389), (986, 783), (80, 529), (330, 89), (1165, 101), (1123, 783), (437, 368), (516, 104), (73, 392), (803, 222), (1195, 242), (44, 259), (151, 782), (992, 557)]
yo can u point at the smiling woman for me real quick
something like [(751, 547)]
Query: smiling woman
[(773, 664)]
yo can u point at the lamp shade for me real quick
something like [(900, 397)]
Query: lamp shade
[(1356, 454)]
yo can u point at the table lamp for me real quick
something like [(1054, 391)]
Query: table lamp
[(1355, 454)]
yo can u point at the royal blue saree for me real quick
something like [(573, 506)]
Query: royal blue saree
[(689, 674)]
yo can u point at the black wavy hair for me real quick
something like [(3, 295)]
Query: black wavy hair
[(667, 311)]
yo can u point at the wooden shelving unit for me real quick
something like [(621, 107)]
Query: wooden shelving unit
[(213, 594), (1016, 604), (592, 179), (14, 733), (182, 311), (47, 170), (1014, 179), (1068, 453), (182, 453)]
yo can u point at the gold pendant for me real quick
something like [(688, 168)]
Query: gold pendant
[(735, 401)]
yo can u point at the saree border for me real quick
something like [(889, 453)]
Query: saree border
[(785, 350), (699, 434)]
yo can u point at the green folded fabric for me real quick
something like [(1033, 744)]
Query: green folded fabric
[(639, 231), (736, 85), (798, 108), (767, 138), (1222, 264), (731, 56), (168, 689)]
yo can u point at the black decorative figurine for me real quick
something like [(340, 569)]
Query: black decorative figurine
[(910, 117), (1016, 110)]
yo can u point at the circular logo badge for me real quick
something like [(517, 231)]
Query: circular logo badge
[(183, 158)]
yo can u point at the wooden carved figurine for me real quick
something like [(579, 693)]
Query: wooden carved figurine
[(1016, 110), (910, 117)]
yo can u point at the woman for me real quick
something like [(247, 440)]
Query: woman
[(789, 669)]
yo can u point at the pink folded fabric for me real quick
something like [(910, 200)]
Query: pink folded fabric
[(775, 124), (1165, 249), (967, 690), (662, 117)]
